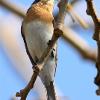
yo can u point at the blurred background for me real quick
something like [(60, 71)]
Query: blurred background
[(76, 70)]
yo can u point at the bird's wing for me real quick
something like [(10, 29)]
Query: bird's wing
[(56, 58), (30, 57)]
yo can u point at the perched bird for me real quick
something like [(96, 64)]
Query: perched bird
[(37, 30)]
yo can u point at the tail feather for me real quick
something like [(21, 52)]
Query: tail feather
[(51, 95)]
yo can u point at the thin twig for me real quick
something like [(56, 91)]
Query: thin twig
[(73, 2), (57, 33), (13, 8), (76, 16), (91, 11), (81, 46)]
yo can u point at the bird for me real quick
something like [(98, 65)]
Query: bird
[(37, 30)]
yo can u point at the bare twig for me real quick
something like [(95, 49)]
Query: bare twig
[(81, 46), (73, 2), (57, 33), (96, 36), (16, 10), (76, 16)]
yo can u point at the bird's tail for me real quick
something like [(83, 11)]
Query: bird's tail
[(51, 95)]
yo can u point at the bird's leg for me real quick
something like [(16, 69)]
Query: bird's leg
[(51, 95)]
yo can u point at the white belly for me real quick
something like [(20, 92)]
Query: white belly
[(37, 35)]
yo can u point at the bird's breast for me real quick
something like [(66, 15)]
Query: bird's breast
[(39, 12), (37, 34)]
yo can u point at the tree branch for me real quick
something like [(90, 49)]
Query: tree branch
[(81, 46), (13, 8), (76, 16), (91, 11)]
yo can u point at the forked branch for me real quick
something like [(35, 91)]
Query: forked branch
[(91, 11)]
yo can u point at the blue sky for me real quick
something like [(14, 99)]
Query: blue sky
[(74, 76)]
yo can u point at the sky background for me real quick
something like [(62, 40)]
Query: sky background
[(74, 77)]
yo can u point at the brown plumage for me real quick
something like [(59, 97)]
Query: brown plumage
[(40, 11)]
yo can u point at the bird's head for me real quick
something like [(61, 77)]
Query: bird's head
[(44, 1), (48, 1), (49, 4)]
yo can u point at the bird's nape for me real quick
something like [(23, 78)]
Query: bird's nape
[(35, 1)]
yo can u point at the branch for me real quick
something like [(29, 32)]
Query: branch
[(91, 11), (13, 8), (57, 33), (76, 16), (81, 46), (73, 2)]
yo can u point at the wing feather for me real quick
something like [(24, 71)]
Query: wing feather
[(30, 57)]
